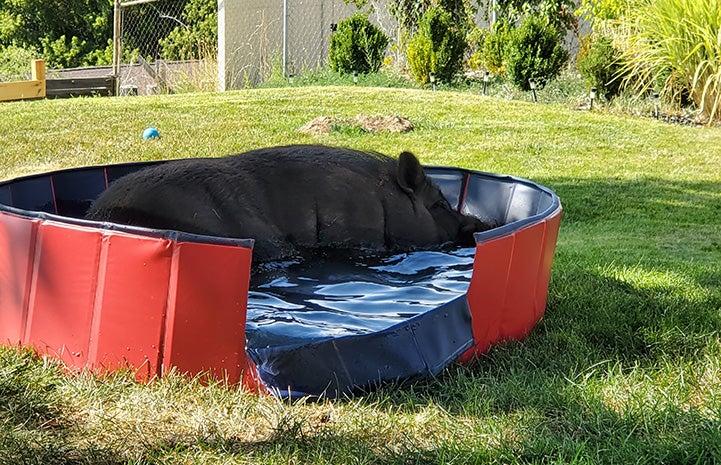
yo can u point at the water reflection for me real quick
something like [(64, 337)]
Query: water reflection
[(300, 302)]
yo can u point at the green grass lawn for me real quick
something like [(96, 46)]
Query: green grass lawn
[(624, 368)]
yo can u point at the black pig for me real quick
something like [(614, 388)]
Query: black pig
[(292, 200)]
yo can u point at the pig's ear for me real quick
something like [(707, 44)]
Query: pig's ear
[(410, 173)]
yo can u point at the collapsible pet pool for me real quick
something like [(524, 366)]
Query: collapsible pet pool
[(107, 296)]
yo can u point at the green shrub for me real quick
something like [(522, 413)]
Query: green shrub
[(15, 62), (476, 38), (421, 59), (494, 47), (600, 67), (357, 45), (409, 13), (197, 36), (534, 52), (67, 33), (61, 52), (437, 47), (601, 13)]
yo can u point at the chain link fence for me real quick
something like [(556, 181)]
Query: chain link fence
[(256, 39), (260, 38), (308, 26), (263, 38), (146, 50)]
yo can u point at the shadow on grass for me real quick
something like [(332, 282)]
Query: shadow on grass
[(585, 431), (35, 418), (637, 274), (599, 436), (674, 203)]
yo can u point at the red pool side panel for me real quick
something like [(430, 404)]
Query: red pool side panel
[(205, 328), (519, 308), (509, 286), (553, 225), (130, 303), (487, 292), (17, 251), (106, 299), (62, 292)]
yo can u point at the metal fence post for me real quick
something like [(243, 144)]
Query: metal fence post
[(285, 38), (117, 49)]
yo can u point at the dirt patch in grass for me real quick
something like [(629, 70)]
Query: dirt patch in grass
[(318, 126), (327, 124)]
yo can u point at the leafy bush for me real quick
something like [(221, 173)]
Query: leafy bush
[(409, 13), (601, 13), (15, 62), (494, 47), (437, 47), (68, 33), (65, 52), (421, 59), (558, 14), (476, 39), (357, 45), (197, 37), (673, 45), (600, 67), (534, 52)]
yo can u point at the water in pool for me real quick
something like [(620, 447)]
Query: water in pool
[(299, 302)]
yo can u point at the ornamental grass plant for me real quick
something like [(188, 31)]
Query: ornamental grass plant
[(674, 47)]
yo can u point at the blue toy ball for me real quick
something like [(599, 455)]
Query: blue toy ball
[(151, 133)]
